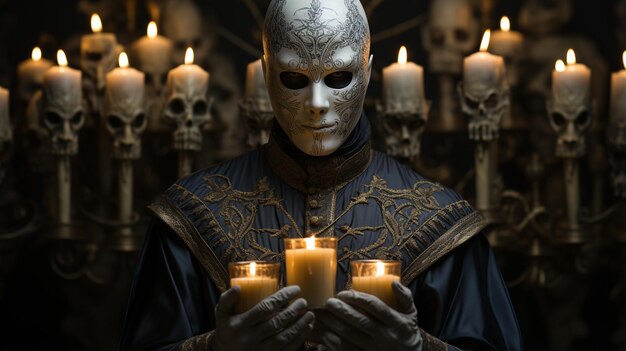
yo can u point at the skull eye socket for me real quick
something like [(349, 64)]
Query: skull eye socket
[(471, 103), (200, 108), (437, 36), (77, 118), (583, 119), (558, 119), (94, 56), (417, 124), (252, 124), (338, 80), (53, 119), (139, 121), (460, 35), (294, 80), (114, 122), (176, 106), (492, 101)]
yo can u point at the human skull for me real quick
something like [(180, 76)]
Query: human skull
[(543, 17), (258, 119), (63, 116), (184, 25), (484, 96), (451, 33), (188, 108), (98, 56), (317, 69), (569, 113), (125, 118), (403, 133)]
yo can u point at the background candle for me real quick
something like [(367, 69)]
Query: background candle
[(403, 85), (483, 68), (505, 42), (375, 277), (312, 264), (572, 79), (124, 78), (256, 90), (618, 94), (256, 280), (153, 52), (188, 74), (30, 72), (61, 75)]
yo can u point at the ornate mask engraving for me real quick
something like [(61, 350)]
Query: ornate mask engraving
[(317, 69)]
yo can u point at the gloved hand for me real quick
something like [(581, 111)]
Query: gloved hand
[(265, 326), (359, 321)]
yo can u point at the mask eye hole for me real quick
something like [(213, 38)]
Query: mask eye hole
[(338, 80), (294, 80)]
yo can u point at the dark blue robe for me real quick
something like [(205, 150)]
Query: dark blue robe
[(242, 209)]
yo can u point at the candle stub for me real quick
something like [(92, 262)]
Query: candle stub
[(256, 281), (375, 277), (312, 265)]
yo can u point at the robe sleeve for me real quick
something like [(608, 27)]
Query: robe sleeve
[(463, 302), (171, 303)]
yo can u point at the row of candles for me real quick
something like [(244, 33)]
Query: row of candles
[(311, 263)]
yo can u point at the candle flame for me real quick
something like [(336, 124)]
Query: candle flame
[(380, 269), (123, 60), (559, 66), (484, 44), (61, 58), (96, 23), (505, 24), (189, 56), (571, 57), (310, 242), (402, 55), (152, 30), (624, 58), (252, 269), (36, 55)]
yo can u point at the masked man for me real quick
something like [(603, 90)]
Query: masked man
[(318, 174)]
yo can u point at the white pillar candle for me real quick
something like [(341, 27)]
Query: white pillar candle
[(312, 264), (375, 277), (6, 133), (403, 85), (124, 79), (256, 281), (31, 71), (573, 79), (483, 68), (618, 94), (255, 82), (61, 75), (153, 52), (506, 42), (188, 74)]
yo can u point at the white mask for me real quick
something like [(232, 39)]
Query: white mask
[(317, 68)]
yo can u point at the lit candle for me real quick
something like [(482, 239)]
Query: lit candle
[(375, 277), (403, 85), (505, 42), (30, 72), (312, 264), (62, 78), (94, 48), (482, 69), (255, 83), (571, 80), (125, 81), (256, 280), (153, 52), (188, 76), (618, 95)]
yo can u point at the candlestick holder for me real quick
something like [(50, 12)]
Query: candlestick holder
[(311, 263), (256, 279), (375, 277)]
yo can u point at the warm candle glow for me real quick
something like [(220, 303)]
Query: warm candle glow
[(402, 55), (559, 66), (505, 24), (152, 30), (310, 242), (123, 60), (624, 58), (36, 55), (96, 23), (484, 44), (252, 269), (61, 58), (380, 269), (189, 56), (571, 57)]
